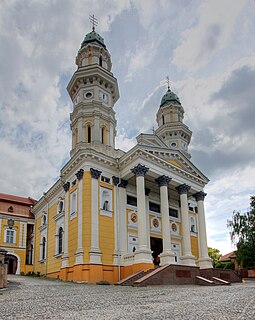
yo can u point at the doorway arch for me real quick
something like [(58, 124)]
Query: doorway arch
[(13, 263)]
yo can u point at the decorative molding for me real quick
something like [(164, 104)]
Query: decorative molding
[(66, 186), (183, 188), (140, 170), (79, 174), (199, 196), (163, 180), (95, 174), (123, 183), (115, 180)]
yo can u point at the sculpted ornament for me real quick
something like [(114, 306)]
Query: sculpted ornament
[(79, 174), (66, 186), (95, 173), (163, 180), (140, 170), (183, 188), (199, 196), (115, 180)]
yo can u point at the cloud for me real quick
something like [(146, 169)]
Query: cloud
[(211, 32)]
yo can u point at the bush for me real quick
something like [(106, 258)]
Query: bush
[(225, 265)]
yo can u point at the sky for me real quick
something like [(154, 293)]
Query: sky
[(207, 49)]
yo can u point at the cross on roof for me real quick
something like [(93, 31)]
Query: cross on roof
[(93, 21), (168, 82)]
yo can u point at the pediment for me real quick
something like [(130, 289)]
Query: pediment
[(150, 140)]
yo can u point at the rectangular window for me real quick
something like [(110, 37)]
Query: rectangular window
[(105, 179), (73, 203), (173, 213), (154, 207), (9, 236), (131, 201)]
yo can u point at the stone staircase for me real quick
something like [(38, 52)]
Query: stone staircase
[(130, 280), (213, 282)]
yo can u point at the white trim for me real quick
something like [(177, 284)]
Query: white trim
[(18, 262)]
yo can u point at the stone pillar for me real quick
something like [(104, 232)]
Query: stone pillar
[(143, 254), (79, 251), (95, 252), (204, 260), (80, 137), (147, 192), (187, 257), (65, 256), (167, 256)]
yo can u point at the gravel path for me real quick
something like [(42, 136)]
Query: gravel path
[(35, 298)]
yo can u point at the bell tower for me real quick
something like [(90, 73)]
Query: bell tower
[(171, 128), (93, 90)]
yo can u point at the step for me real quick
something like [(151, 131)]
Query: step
[(220, 281), (130, 278), (150, 273), (204, 281)]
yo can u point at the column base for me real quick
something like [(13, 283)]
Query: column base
[(204, 263), (143, 256), (167, 258), (65, 261), (79, 256), (188, 260), (95, 256)]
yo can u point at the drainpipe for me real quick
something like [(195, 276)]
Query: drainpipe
[(46, 262), (117, 218)]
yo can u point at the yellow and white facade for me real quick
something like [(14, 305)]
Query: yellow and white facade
[(17, 232), (113, 213)]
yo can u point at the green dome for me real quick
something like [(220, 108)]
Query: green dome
[(169, 96), (93, 37)]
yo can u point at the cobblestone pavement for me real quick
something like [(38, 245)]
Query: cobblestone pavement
[(35, 298)]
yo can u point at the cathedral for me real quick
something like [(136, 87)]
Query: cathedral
[(113, 213)]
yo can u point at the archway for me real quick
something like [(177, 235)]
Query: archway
[(156, 248), (12, 263)]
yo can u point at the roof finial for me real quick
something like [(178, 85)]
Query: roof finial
[(93, 21), (168, 83)]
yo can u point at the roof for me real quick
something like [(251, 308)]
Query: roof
[(8, 197), (169, 96), (228, 256), (93, 37)]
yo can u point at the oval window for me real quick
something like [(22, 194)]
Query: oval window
[(88, 95)]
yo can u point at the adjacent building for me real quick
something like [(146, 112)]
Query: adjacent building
[(17, 232), (113, 213)]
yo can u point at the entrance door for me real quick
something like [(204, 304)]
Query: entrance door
[(156, 248), (12, 263)]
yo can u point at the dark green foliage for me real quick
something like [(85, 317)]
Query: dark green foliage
[(225, 265), (242, 231)]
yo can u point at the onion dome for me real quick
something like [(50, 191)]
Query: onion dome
[(94, 38), (169, 96)]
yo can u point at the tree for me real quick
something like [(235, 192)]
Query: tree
[(214, 254), (242, 232)]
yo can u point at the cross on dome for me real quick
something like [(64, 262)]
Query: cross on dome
[(93, 21), (168, 82)]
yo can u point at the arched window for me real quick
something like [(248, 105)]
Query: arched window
[(103, 136), (43, 248), (192, 225), (89, 134), (60, 206), (100, 61), (163, 119), (60, 240)]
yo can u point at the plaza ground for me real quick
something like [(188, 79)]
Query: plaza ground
[(36, 298)]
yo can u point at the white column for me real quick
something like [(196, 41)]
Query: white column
[(79, 251), (204, 260), (187, 257), (147, 205), (123, 218), (80, 131), (65, 257), (143, 254), (116, 222), (95, 252), (167, 256)]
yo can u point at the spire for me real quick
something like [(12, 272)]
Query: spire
[(168, 83), (93, 21)]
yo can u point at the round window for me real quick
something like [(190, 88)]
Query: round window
[(88, 95), (173, 144)]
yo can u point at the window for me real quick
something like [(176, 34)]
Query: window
[(173, 213), (73, 203), (10, 209), (105, 179), (61, 206), (100, 61), (106, 199), (10, 236), (60, 240), (163, 118), (43, 252), (154, 207), (44, 219), (89, 134), (192, 225), (131, 201)]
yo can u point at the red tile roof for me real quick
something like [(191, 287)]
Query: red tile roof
[(228, 256), (8, 197)]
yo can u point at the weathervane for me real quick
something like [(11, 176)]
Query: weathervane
[(168, 82), (93, 21)]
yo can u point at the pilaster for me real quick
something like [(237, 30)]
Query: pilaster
[(65, 255), (79, 251)]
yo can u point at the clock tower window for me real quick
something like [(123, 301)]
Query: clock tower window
[(100, 61)]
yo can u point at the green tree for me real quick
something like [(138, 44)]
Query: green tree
[(242, 232), (214, 254)]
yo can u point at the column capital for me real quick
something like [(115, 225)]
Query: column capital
[(95, 173), (123, 183), (115, 180), (199, 196), (66, 186), (79, 174), (183, 188), (140, 170), (163, 180)]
